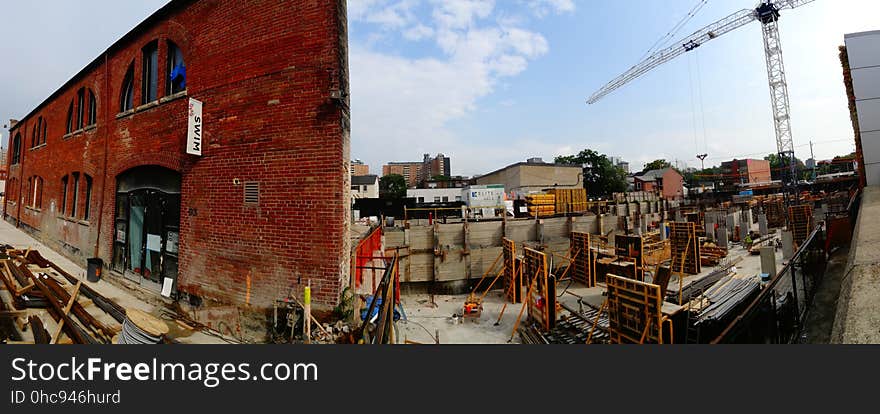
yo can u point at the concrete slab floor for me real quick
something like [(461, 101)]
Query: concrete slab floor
[(9, 234), (425, 318)]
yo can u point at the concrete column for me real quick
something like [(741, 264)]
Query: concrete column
[(787, 245), (722, 237), (643, 224), (768, 260), (539, 230), (662, 231), (710, 227), (731, 223), (763, 228)]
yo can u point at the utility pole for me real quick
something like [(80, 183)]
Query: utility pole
[(702, 158)]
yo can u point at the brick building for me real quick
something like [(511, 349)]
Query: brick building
[(746, 171), (101, 168), (411, 171), (666, 182)]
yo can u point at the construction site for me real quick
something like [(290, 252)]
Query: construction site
[(777, 261)]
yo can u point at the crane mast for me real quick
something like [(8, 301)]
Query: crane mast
[(766, 12)]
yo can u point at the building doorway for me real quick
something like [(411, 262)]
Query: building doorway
[(147, 226)]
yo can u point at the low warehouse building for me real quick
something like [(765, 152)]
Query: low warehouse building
[(206, 151), (535, 175)]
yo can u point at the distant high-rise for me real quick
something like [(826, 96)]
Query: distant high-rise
[(437, 166), (358, 168), (411, 171)]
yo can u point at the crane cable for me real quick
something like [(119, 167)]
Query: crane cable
[(666, 39)]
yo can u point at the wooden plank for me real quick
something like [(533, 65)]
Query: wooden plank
[(66, 312)]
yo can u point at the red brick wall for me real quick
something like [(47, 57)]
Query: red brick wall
[(265, 70)]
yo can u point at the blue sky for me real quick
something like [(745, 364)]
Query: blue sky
[(428, 78), (494, 82)]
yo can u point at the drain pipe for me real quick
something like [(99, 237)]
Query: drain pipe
[(107, 115)]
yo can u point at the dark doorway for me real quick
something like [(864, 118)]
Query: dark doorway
[(145, 247)]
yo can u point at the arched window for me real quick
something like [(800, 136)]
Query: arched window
[(70, 118), (93, 109), (63, 208), (35, 192), (44, 126), (126, 101), (87, 208), (80, 108), (34, 135), (176, 70), (74, 208), (16, 149), (150, 79)]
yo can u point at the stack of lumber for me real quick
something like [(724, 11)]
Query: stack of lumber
[(541, 205), (711, 255), (570, 200)]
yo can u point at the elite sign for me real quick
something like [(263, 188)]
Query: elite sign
[(194, 130)]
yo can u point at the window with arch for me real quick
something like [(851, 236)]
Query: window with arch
[(35, 192), (38, 134), (16, 149), (93, 109), (63, 208), (150, 79), (87, 208), (126, 100), (80, 108), (176, 70), (69, 128)]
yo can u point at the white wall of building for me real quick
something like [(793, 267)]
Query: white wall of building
[(864, 60), (435, 195)]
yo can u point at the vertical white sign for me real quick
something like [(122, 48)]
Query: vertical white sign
[(194, 130)]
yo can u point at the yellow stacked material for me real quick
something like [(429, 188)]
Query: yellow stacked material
[(541, 205), (570, 201)]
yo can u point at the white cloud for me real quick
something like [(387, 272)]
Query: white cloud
[(545, 7), (402, 106)]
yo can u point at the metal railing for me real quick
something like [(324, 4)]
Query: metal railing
[(778, 313)]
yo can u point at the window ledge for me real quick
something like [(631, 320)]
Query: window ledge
[(72, 134), (173, 97), (38, 147), (34, 209), (151, 105), (90, 128)]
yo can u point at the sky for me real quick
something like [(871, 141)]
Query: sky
[(493, 82)]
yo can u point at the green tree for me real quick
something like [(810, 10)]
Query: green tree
[(601, 177), (392, 186), (656, 165), (779, 166)]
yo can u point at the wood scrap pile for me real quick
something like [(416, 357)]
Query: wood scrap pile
[(36, 283), (711, 254)]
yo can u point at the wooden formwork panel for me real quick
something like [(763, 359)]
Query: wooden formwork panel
[(542, 300), (634, 311), (632, 249), (801, 219), (512, 275), (683, 242), (583, 267)]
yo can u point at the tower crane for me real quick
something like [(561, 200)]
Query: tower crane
[(767, 12)]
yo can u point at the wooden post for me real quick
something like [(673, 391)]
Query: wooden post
[(307, 311)]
